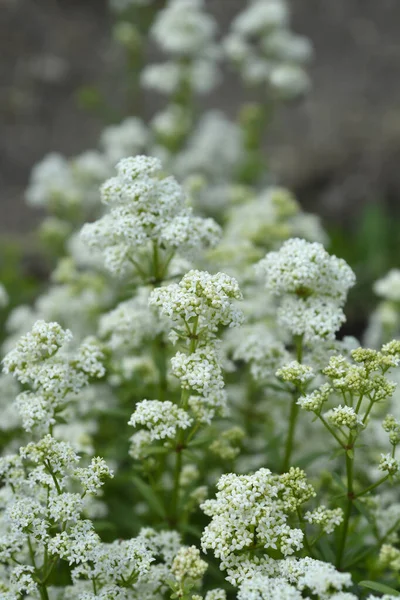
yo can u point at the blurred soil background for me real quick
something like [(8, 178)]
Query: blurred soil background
[(338, 149)]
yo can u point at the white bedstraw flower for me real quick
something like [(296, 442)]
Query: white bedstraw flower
[(92, 477), (128, 138), (65, 507), (22, 579), (199, 371), (75, 544), (162, 419), (210, 298), (326, 518), (187, 564), (54, 371), (389, 464), (261, 587), (146, 210), (183, 28), (296, 373), (389, 286), (392, 426), (315, 576), (216, 594), (344, 416), (42, 342), (315, 400), (311, 287), (253, 510), (389, 556)]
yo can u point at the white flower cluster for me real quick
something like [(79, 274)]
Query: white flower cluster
[(311, 286), (128, 138), (208, 299), (188, 564), (326, 518), (161, 419), (205, 155), (264, 49), (250, 512), (186, 32), (41, 360), (389, 286), (261, 349), (365, 379), (384, 322), (41, 510), (67, 187), (128, 326), (145, 208), (289, 579), (199, 371), (270, 218)]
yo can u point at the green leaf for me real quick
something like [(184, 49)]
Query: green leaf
[(350, 453), (148, 493), (357, 556), (379, 587)]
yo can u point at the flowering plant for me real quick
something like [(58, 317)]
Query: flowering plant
[(181, 416)]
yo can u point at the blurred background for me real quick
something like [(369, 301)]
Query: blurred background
[(62, 79)]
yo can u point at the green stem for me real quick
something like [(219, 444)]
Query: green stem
[(373, 486), (349, 504), (43, 592), (162, 366), (303, 524), (54, 478), (368, 411), (329, 428), (179, 445), (294, 411), (359, 403)]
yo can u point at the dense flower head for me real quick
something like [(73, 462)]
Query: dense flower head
[(252, 510), (389, 286), (311, 287), (42, 342), (184, 28), (200, 295), (184, 31), (162, 419), (188, 564), (264, 49), (304, 269), (44, 360), (128, 138), (199, 371), (130, 324), (326, 518), (258, 346), (66, 187), (145, 208)]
